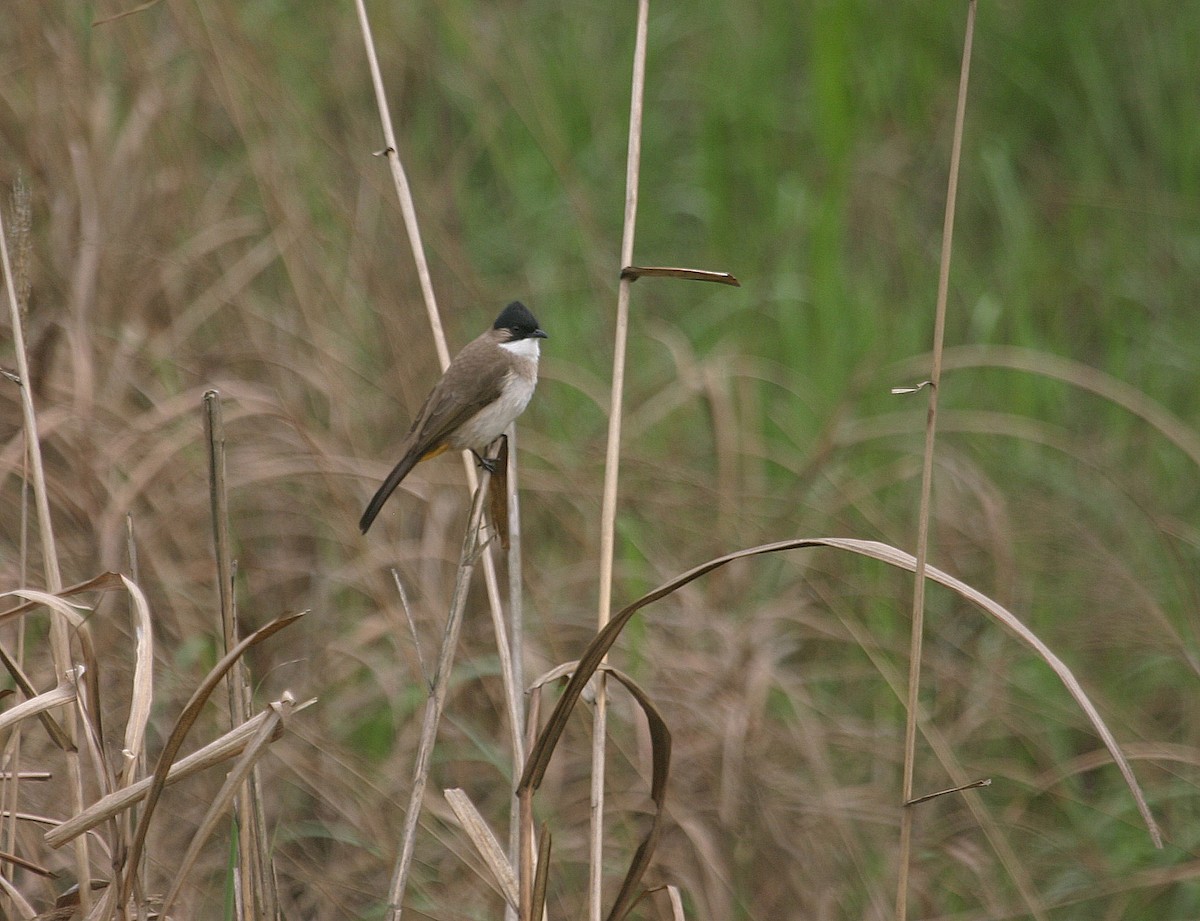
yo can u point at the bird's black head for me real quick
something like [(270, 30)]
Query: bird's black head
[(519, 322)]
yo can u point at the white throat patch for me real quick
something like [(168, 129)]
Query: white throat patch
[(525, 348)]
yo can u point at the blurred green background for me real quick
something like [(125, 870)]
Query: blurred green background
[(206, 211)]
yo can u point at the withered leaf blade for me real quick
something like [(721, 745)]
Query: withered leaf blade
[(498, 493), (634, 272)]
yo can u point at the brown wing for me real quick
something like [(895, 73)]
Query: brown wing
[(469, 384), (472, 381)]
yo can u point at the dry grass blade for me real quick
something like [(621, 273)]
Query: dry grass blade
[(89, 702), (485, 843), (498, 494), (23, 909), (676, 903), (227, 746), (179, 732), (55, 731), (59, 696), (539, 755), (276, 717), (542, 879), (142, 693), (973, 785), (102, 582), (28, 865), (69, 612), (660, 739), (634, 272)]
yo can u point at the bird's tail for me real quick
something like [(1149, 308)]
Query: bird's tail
[(399, 472)]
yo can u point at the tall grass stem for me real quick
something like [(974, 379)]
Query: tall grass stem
[(436, 701), (612, 461), (504, 641), (253, 878), (918, 605), (60, 643)]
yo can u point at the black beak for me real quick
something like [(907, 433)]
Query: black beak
[(538, 333)]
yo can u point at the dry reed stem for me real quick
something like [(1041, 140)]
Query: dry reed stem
[(436, 701), (542, 879), (60, 644), (21, 235), (516, 635), (403, 192), (612, 460), (255, 880), (504, 644), (141, 695), (918, 604)]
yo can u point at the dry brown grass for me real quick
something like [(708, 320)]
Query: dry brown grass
[(196, 226)]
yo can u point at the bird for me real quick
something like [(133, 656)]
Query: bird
[(487, 385)]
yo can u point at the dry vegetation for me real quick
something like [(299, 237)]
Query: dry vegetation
[(202, 217)]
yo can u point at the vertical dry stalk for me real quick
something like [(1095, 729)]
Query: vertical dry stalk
[(408, 209), (516, 632), (612, 461), (918, 614), (214, 434), (60, 642), (254, 878), (22, 214), (436, 701)]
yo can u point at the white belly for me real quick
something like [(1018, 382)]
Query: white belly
[(489, 424)]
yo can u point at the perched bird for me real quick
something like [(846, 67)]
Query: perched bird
[(487, 385)]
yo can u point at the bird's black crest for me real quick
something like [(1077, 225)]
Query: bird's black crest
[(518, 318)]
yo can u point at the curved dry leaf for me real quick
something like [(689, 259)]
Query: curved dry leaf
[(102, 582), (142, 693), (660, 738), (23, 909), (1085, 377), (179, 732), (486, 845), (276, 714), (69, 611), (597, 649), (64, 694)]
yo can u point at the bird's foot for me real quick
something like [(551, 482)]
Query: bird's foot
[(492, 464)]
